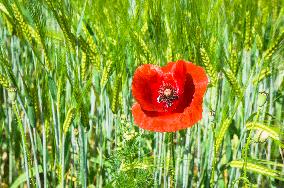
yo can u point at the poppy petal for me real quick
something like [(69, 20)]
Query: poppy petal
[(199, 77), (148, 79), (193, 113), (170, 122), (142, 82), (200, 81)]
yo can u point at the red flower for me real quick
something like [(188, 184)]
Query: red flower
[(168, 98)]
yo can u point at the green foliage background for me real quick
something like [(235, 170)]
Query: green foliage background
[(65, 93)]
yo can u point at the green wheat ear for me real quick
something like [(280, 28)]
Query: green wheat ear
[(35, 101), (224, 127), (233, 63), (92, 49), (210, 69), (56, 8), (248, 31), (83, 66), (169, 50), (145, 48), (260, 169), (115, 94), (4, 82), (81, 108), (276, 44), (106, 73), (35, 34), (68, 120), (22, 24), (40, 41), (3, 9), (271, 132), (233, 81), (262, 75), (219, 139)]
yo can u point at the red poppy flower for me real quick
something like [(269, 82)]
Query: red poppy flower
[(168, 98)]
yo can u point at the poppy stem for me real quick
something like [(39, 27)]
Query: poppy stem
[(173, 156), (173, 148)]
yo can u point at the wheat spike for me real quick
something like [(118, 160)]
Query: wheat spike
[(115, 93), (90, 40), (92, 49), (169, 52), (106, 72), (262, 75), (59, 94), (210, 69), (259, 42), (34, 96), (68, 120), (83, 65), (270, 51), (258, 169), (80, 104), (233, 81), (220, 137), (22, 24), (233, 63), (213, 46), (270, 131), (248, 31), (145, 48), (63, 23), (4, 82)]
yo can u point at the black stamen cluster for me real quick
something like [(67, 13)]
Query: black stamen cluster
[(167, 99)]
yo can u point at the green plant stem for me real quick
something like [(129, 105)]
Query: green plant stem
[(25, 151), (172, 167)]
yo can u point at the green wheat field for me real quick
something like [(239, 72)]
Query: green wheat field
[(66, 69)]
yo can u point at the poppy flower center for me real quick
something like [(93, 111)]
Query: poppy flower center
[(167, 94)]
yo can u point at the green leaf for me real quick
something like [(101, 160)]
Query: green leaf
[(52, 87)]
